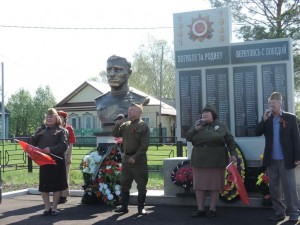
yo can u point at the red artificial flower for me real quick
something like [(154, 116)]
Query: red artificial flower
[(103, 170), (113, 152), (265, 178)]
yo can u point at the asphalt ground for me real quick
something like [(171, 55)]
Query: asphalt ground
[(27, 209)]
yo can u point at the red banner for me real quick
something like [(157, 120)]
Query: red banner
[(36, 155), (238, 182)]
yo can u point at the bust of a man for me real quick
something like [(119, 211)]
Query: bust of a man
[(118, 100)]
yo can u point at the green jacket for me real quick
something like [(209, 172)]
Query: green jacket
[(136, 139), (211, 145)]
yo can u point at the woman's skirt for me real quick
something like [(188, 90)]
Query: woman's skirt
[(208, 179)]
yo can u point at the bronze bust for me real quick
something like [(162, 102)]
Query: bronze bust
[(118, 100)]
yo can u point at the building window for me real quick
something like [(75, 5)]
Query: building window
[(146, 120), (74, 122), (88, 121)]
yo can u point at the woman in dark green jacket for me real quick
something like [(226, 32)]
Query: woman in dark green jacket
[(211, 141)]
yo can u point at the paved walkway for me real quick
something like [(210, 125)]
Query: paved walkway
[(27, 209)]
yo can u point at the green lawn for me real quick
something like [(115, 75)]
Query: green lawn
[(14, 158), (20, 179)]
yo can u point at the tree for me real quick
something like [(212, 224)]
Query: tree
[(267, 19), (102, 78), (27, 113), (42, 101), (21, 110), (147, 69)]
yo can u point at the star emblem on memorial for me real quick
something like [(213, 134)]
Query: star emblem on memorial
[(200, 29)]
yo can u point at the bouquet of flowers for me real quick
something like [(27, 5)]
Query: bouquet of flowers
[(89, 165), (182, 175)]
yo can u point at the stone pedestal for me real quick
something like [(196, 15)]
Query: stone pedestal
[(168, 167)]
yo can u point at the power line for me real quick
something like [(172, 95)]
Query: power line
[(85, 28)]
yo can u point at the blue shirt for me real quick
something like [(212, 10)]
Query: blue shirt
[(277, 150)]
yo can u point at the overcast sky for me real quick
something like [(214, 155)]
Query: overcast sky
[(42, 55)]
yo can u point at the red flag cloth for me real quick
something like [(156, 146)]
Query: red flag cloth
[(36, 155), (238, 182)]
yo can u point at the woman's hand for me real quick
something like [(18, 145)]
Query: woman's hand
[(46, 150), (232, 158)]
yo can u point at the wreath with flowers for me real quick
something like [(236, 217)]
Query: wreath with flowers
[(102, 183), (230, 192), (182, 175)]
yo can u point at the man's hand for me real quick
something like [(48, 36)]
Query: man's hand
[(131, 160)]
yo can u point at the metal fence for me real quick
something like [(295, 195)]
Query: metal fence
[(12, 157)]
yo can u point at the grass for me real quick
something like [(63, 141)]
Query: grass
[(21, 179), (14, 158)]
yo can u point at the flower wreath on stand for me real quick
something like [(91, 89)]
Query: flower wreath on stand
[(105, 186), (230, 192), (182, 175), (262, 184)]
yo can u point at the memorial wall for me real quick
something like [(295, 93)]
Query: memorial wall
[(237, 77)]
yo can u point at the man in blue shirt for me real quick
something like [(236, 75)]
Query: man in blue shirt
[(281, 156)]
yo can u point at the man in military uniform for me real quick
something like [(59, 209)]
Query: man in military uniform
[(118, 100), (136, 137)]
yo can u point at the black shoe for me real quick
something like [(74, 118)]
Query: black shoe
[(211, 214), (47, 213), (54, 213), (122, 209), (277, 217), (142, 211), (199, 214), (62, 200), (294, 217)]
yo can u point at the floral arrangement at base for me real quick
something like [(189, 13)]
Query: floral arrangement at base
[(182, 175), (230, 192), (102, 184), (263, 186)]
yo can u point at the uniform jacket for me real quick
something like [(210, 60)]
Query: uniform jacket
[(289, 139), (211, 145), (136, 138), (55, 138)]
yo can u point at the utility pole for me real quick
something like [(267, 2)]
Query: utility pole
[(160, 94), (3, 107)]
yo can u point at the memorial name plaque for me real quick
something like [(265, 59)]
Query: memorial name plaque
[(260, 52), (202, 57), (245, 100), (274, 78), (190, 98), (217, 92)]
